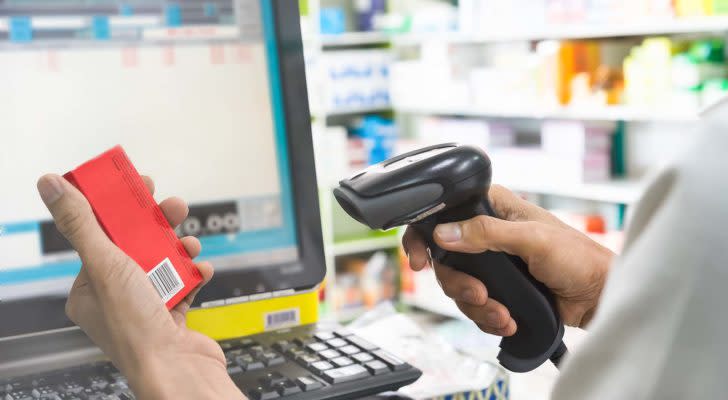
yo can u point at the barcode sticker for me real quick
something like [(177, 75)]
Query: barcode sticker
[(166, 280), (282, 318)]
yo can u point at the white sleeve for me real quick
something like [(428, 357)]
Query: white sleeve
[(661, 327)]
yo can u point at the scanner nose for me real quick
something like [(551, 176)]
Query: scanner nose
[(348, 206)]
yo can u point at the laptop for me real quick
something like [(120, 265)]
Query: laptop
[(208, 98)]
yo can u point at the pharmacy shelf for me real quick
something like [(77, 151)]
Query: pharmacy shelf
[(657, 26), (357, 110), (365, 245), (617, 191), (606, 113), (351, 39)]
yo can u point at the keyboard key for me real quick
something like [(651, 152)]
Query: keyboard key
[(257, 364), (342, 361), (338, 342), (329, 354), (368, 346), (308, 384), (272, 379), (262, 393), (234, 370), (316, 347), (225, 346), (343, 333), (244, 361), (321, 366), (234, 353), (377, 367), (346, 374), (247, 343), (363, 357), (270, 359), (287, 388), (283, 346), (295, 353), (349, 350), (256, 350), (302, 341), (324, 336), (248, 363), (307, 359), (394, 362)]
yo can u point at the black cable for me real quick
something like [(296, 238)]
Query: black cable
[(558, 354)]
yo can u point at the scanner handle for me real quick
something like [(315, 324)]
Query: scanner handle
[(506, 276)]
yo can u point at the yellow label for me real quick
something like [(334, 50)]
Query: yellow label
[(247, 319)]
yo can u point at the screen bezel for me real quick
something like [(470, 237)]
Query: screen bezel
[(47, 313)]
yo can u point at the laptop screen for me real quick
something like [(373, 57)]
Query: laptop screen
[(194, 94)]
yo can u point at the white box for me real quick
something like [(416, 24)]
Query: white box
[(536, 168), (574, 138)]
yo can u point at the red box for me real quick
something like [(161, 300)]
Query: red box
[(133, 221)]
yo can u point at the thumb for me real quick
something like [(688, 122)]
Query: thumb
[(74, 218), (482, 233)]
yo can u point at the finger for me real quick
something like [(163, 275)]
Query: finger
[(149, 183), (509, 330), (175, 210), (476, 235), (493, 315), (75, 220), (415, 248), (179, 312), (192, 245), (511, 207), (460, 286)]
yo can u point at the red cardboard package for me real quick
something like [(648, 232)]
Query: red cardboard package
[(133, 221)]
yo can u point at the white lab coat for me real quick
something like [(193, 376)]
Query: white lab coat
[(661, 330)]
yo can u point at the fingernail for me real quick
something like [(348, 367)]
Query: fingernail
[(50, 189), (449, 232), (469, 296), (492, 318)]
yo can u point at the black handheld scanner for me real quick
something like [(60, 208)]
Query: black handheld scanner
[(447, 183)]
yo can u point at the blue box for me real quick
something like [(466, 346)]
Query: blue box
[(100, 27), (210, 9), (173, 15), (21, 29), (126, 10), (332, 20)]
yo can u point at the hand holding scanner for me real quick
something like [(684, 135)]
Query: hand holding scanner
[(448, 183)]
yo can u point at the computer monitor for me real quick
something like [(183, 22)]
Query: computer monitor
[(207, 97)]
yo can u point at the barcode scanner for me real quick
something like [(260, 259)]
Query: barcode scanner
[(448, 183)]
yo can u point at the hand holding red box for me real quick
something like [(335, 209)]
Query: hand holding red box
[(134, 222), (113, 301)]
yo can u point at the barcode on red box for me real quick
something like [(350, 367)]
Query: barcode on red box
[(282, 318), (166, 280)]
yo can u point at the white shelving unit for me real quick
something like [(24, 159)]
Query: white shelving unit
[(618, 191), (610, 113), (354, 39), (364, 245), (657, 26), (356, 111)]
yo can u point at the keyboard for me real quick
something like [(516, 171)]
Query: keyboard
[(301, 363)]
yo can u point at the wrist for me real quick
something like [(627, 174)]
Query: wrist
[(601, 270), (178, 374)]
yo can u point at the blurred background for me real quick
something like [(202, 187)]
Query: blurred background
[(577, 102)]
